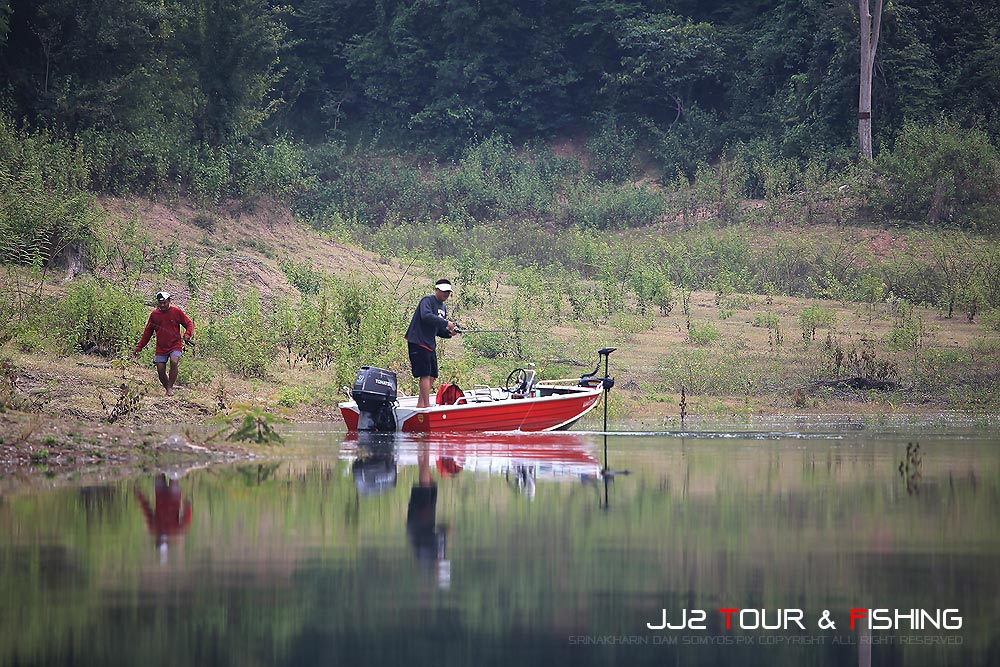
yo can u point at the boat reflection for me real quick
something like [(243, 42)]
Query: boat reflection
[(521, 458), (374, 465)]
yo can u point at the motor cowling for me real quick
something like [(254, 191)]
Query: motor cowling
[(375, 393)]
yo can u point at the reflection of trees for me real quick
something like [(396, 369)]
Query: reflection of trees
[(258, 474)]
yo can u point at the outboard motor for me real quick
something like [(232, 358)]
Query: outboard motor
[(375, 393)]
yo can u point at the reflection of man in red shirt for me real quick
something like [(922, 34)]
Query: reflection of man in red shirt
[(171, 516), (166, 321)]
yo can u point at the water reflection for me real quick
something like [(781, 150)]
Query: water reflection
[(170, 515), (428, 539), (374, 466), (524, 549), (521, 459)]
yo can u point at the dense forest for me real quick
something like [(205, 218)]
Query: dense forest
[(167, 91)]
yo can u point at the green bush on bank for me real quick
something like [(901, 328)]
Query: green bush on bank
[(96, 316), (44, 206), (941, 173), (39, 167)]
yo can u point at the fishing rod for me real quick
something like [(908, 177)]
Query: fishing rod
[(460, 329)]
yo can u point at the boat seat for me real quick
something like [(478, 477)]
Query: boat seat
[(480, 393), (449, 393)]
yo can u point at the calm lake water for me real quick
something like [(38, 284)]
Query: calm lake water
[(516, 550)]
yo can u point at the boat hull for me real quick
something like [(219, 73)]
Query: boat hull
[(542, 413)]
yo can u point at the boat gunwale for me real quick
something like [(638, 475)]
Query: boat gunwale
[(576, 392)]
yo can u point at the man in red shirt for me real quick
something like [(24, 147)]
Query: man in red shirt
[(167, 321)]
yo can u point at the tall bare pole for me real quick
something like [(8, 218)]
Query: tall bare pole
[(870, 25)]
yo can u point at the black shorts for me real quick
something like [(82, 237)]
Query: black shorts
[(423, 361)]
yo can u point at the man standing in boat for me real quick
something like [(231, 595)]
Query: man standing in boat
[(430, 322), (167, 321)]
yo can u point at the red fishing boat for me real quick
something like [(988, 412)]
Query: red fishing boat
[(521, 404)]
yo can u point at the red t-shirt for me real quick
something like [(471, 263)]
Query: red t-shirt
[(167, 325)]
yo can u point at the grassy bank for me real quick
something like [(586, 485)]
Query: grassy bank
[(733, 357), (754, 288)]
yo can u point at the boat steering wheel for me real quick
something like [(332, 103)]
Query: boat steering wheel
[(517, 381)]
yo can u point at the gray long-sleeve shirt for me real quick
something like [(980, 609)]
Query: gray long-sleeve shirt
[(430, 320)]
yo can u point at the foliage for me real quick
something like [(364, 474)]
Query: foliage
[(942, 174), (93, 315), (814, 317), (255, 424), (158, 94), (305, 278), (44, 208), (703, 333), (991, 319), (613, 206), (241, 337), (612, 151), (216, 100), (766, 320)]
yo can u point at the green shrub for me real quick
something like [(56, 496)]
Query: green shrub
[(813, 317), (28, 337), (613, 206), (902, 336), (209, 173), (243, 338), (293, 397), (277, 168), (196, 369), (44, 207), (612, 149), (683, 145), (303, 275), (626, 325), (492, 180), (98, 315), (991, 319), (941, 173), (704, 333), (488, 345), (766, 320)]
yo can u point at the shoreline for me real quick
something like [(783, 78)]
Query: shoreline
[(40, 446)]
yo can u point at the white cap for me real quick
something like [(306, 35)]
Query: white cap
[(162, 296), (444, 285)]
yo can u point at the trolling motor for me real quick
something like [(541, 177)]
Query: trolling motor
[(375, 393), (590, 380)]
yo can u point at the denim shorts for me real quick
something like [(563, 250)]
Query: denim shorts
[(162, 358)]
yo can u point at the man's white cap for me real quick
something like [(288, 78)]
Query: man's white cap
[(444, 285), (162, 296)]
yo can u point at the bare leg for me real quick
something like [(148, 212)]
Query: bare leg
[(426, 383), (161, 370), (174, 364)]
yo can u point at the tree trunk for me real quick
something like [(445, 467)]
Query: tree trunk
[(870, 25)]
